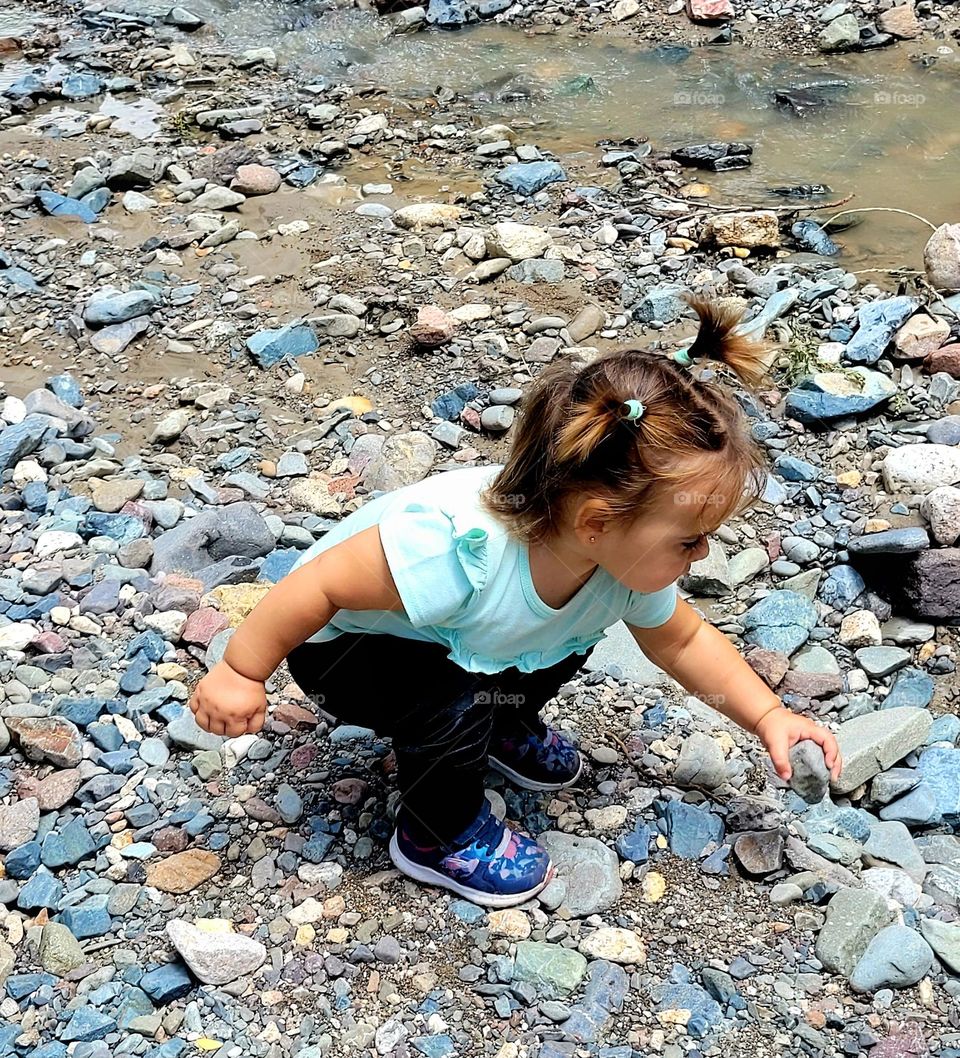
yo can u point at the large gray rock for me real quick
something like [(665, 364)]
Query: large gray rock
[(589, 868), (234, 530), (711, 575), (19, 440), (876, 741), (700, 763), (921, 468), (19, 823), (405, 458), (944, 938), (854, 917), (891, 843), (215, 958), (897, 957), (931, 583)]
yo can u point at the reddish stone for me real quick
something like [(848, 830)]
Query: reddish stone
[(258, 809), (947, 359), (137, 510), (812, 684), (349, 791), (908, 1042), (49, 643), (770, 665), (344, 486), (256, 180), (433, 327), (470, 417), (303, 756), (170, 839), (178, 593), (184, 871), (388, 763), (54, 791), (294, 715), (202, 625), (51, 738), (773, 547), (709, 10)]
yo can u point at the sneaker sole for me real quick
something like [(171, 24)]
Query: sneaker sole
[(531, 784), (429, 876)]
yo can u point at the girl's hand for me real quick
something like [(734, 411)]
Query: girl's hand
[(227, 703), (781, 729)]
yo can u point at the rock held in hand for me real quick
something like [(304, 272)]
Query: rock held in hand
[(810, 777)]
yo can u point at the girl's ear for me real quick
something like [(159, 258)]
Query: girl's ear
[(591, 519)]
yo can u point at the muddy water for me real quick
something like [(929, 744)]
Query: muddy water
[(887, 132)]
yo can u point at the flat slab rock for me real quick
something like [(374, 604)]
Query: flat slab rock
[(216, 956), (589, 868), (876, 741), (183, 871)]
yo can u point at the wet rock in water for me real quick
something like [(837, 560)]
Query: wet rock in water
[(752, 229), (800, 101), (269, 347), (717, 156), (527, 178), (588, 868), (810, 778), (941, 257), (828, 395), (897, 957), (216, 957), (876, 741), (812, 237), (854, 918), (701, 763), (554, 971)]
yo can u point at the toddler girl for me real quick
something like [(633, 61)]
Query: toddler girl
[(447, 613)]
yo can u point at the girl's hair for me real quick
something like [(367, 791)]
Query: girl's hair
[(573, 437)]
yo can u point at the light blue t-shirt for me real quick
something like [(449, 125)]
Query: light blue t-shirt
[(465, 582)]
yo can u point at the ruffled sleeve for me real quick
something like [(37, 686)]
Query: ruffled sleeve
[(438, 566)]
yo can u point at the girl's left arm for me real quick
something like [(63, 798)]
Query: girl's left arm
[(707, 664)]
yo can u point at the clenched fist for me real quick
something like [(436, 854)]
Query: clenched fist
[(227, 703)]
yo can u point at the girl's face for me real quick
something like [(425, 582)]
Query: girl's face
[(659, 547)]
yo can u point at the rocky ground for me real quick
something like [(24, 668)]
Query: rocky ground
[(218, 342)]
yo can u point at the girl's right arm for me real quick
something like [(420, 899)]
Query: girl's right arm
[(352, 575)]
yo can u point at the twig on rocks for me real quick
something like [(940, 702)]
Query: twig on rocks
[(880, 209)]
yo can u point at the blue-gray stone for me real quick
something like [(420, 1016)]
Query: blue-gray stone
[(120, 527), (268, 347), (940, 768), (61, 206), (841, 587), (897, 957), (81, 711), (466, 912), (98, 200), (782, 621), (166, 983), (86, 1025), (904, 541), (134, 1004), (690, 829), (42, 890), (790, 468), (316, 849), (114, 338), (289, 804), (19, 440), (878, 662), (151, 643), (527, 178), (113, 306), (99, 788), (89, 919), (661, 304), (945, 728), (80, 86), (22, 861), (634, 845), (351, 733), (105, 736), (835, 395), (878, 322), (911, 687), (19, 278), (450, 12), (945, 431), (684, 995), (918, 808), (65, 387), (19, 986), (777, 305), (53, 1049), (24, 87), (68, 846), (811, 236), (102, 598), (278, 564), (433, 1046), (538, 270)]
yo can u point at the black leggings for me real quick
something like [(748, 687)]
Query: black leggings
[(440, 717)]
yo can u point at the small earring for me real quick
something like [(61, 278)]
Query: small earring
[(593, 539)]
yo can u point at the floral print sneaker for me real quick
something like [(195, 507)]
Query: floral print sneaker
[(488, 864), (535, 762)]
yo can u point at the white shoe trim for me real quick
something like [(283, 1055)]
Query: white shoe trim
[(530, 784)]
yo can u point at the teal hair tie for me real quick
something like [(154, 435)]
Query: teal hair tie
[(683, 358), (635, 410)]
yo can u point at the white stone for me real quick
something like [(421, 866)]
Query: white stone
[(941, 508), (28, 470), (134, 202), (54, 541), (895, 886), (13, 410), (427, 215), (169, 623), (311, 910), (624, 9), (518, 242), (369, 125), (215, 957), (17, 636), (921, 468), (614, 944), (860, 629)]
